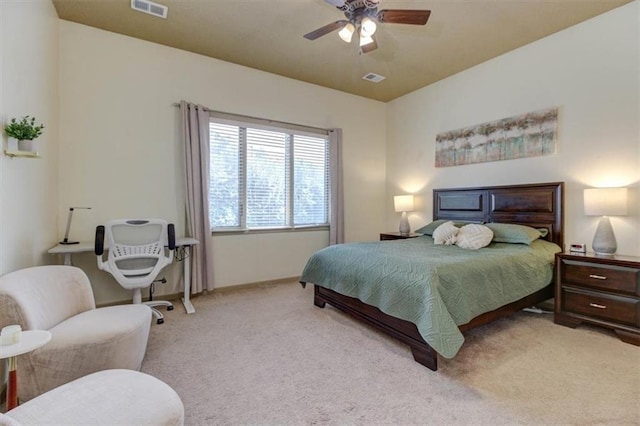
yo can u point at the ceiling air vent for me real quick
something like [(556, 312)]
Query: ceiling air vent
[(150, 7), (373, 77)]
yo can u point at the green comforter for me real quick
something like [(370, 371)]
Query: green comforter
[(433, 286)]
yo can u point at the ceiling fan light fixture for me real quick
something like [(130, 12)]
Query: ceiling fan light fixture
[(347, 32), (364, 40), (367, 27), (362, 18)]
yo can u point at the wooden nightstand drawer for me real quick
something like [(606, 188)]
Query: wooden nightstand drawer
[(605, 277), (599, 305)]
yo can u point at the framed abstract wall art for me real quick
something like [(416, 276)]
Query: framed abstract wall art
[(528, 135)]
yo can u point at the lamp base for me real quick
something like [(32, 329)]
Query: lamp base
[(604, 241), (69, 242), (404, 227), (604, 254)]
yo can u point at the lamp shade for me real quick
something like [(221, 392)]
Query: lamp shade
[(605, 202), (403, 203), (368, 27), (364, 40), (347, 32)]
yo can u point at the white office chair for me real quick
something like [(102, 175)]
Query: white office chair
[(138, 250)]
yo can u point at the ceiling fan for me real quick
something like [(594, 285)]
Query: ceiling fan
[(361, 19)]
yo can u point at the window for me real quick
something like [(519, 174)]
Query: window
[(267, 177)]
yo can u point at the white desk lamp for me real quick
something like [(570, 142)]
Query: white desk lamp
[(605, 202), (66, 232), (404, 204)]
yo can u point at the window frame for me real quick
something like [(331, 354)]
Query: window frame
[(291, 130)]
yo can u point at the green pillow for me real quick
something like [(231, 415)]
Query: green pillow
[(430, 227), (516, 234)]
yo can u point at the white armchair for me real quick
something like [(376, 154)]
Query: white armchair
[(84, 339)]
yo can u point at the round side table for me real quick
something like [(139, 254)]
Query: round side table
[(29, 341)]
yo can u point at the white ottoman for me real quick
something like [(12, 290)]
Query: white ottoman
[(110, 397)]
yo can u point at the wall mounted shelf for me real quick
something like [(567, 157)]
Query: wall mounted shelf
[(24, 154)]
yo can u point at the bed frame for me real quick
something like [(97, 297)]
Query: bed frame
[(536, 205)]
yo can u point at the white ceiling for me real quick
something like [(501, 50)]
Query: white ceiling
[(267, 35)]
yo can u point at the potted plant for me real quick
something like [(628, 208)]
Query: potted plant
[(24, 130)]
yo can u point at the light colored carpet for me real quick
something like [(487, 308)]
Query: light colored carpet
[(267, 356)]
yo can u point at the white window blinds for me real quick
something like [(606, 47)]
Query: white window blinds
[(311, 180), (226, 189), (266, 177)]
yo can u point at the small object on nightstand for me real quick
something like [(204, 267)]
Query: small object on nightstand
[(578, 248), (398, 235), (599, 290)]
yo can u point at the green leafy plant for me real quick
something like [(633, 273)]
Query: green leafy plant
[(25, 129)]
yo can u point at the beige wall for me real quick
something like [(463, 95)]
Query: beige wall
[(120, 152), (590, 72), (28, 86)]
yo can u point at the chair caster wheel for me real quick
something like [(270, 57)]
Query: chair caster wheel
[(170, 308), (160, 321)]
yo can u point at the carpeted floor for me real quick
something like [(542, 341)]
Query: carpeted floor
[(267, 356)]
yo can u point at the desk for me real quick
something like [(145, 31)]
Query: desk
[(29, 341), (185, 242)]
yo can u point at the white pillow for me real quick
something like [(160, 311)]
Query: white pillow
[(445, 234), (474, 236)]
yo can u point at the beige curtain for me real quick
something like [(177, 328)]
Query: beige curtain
[(336, 222), (195, 139)]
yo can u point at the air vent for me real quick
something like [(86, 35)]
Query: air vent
[(150, 7), (373, 77)]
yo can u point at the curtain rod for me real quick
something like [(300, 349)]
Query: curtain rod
[(177, 104), (265, 120)]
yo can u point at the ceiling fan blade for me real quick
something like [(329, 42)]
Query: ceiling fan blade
[(369, 47), (404, 16), (325, 30)]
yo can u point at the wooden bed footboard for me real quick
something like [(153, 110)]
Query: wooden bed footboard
[(406, 331)]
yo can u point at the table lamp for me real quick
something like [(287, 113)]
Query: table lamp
[(66, 232), (605, 202), (404, 204)]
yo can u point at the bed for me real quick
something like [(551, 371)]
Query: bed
[(429, 304)]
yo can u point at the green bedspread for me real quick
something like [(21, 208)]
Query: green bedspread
[(433, 286)]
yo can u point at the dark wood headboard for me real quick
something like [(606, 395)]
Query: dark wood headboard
[(539, 205)]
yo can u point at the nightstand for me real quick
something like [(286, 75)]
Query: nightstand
[(599, 290), (397, 236)]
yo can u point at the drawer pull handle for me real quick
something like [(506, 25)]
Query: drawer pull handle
[(597, 277), (595, 305)]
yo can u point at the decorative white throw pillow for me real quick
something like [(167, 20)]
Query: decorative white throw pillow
[(474, 236), (445, 234)]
